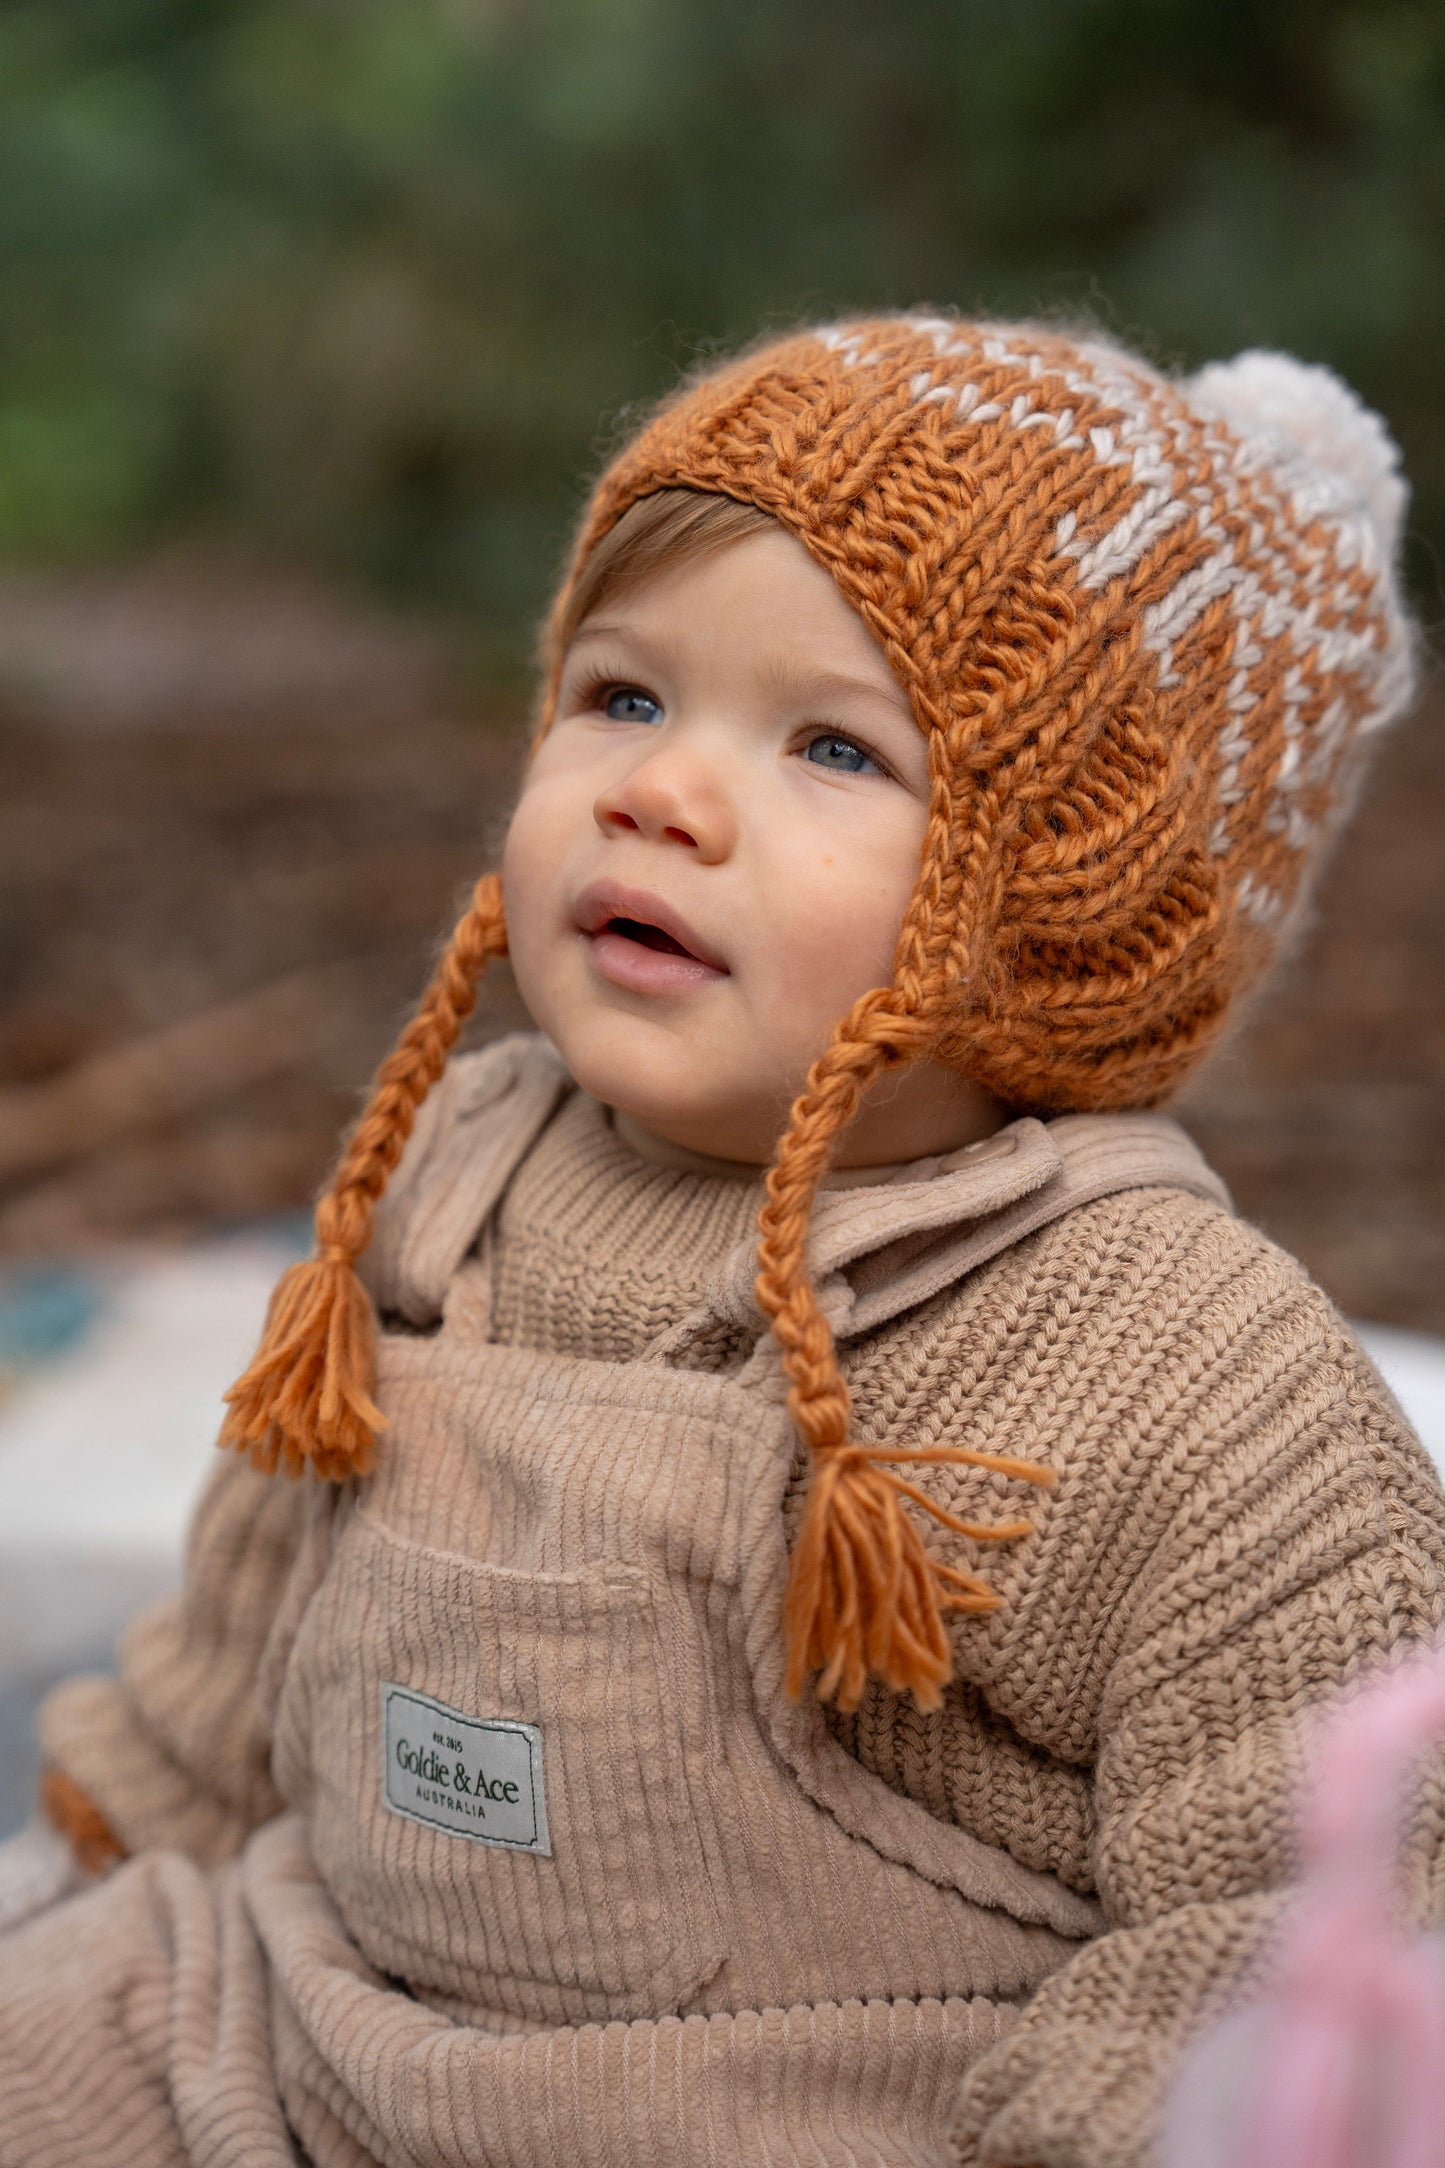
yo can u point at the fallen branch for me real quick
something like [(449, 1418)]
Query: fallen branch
[(176, 1071)]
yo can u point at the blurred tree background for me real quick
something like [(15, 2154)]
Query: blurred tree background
[(364, 289), (355, 278)]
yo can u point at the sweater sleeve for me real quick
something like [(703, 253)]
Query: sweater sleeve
[(175, 1749), (1253, 1528)]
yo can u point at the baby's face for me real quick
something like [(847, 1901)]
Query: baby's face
[(713, 852)]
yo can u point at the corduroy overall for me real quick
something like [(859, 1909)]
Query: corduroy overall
[(567, 1876)]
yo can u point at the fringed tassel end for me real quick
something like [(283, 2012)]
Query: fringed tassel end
[(863, 1594), (306, 1398)]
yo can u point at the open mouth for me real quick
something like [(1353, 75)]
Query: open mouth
[(653, 937), (637, 940)]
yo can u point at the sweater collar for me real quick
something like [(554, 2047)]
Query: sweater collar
[(873, 1251)]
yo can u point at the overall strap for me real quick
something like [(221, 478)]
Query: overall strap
[(481, 1119), (1098, 1155)]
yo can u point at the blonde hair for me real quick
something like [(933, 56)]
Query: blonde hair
[(672, 527)]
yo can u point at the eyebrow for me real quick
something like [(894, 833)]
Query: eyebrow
[(795, 681), (792, 680), (591, 630)]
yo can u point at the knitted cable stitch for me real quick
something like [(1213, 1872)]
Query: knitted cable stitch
[(1147, 627)]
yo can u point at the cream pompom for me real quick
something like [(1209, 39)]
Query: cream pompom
[(1317, 415)]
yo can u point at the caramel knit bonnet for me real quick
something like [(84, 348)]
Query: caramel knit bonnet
[(1148, 627)]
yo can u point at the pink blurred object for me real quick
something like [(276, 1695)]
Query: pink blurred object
[(1342, 2064)]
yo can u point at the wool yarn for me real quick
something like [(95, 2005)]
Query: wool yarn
[(1148, 627)]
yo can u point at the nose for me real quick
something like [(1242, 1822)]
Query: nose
[(670, 796)]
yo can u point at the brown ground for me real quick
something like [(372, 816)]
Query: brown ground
[(236, 805)]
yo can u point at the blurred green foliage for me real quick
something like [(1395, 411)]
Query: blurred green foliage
[(354, 279)]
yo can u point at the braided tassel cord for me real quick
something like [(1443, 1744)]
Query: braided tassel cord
[(306, 1397), (863, 1595)]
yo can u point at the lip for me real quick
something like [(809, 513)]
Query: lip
[(630, 964), (602, 901)]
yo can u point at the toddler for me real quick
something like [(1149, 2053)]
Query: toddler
[(814, 1668)]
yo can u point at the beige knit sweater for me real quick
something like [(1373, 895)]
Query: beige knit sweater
[(1242, 1523)]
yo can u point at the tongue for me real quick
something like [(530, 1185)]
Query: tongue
[(650, 936)]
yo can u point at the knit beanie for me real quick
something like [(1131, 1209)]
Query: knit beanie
[(1148, 627)]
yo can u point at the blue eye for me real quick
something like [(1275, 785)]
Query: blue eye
[(629, 704), (839, 754)]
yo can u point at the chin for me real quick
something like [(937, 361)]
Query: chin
[(642, 1072), (669, 1090)]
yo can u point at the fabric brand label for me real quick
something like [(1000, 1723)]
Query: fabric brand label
[(478, 1777)]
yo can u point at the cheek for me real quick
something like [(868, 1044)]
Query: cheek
[(533, 882), (519, 865), (553, 817), (838, 927)]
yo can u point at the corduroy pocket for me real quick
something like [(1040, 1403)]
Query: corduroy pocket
[(495, 1784)]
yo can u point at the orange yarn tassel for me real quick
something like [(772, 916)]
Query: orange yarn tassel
[(304, 1397), (863, 1594), (94, 1845)]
